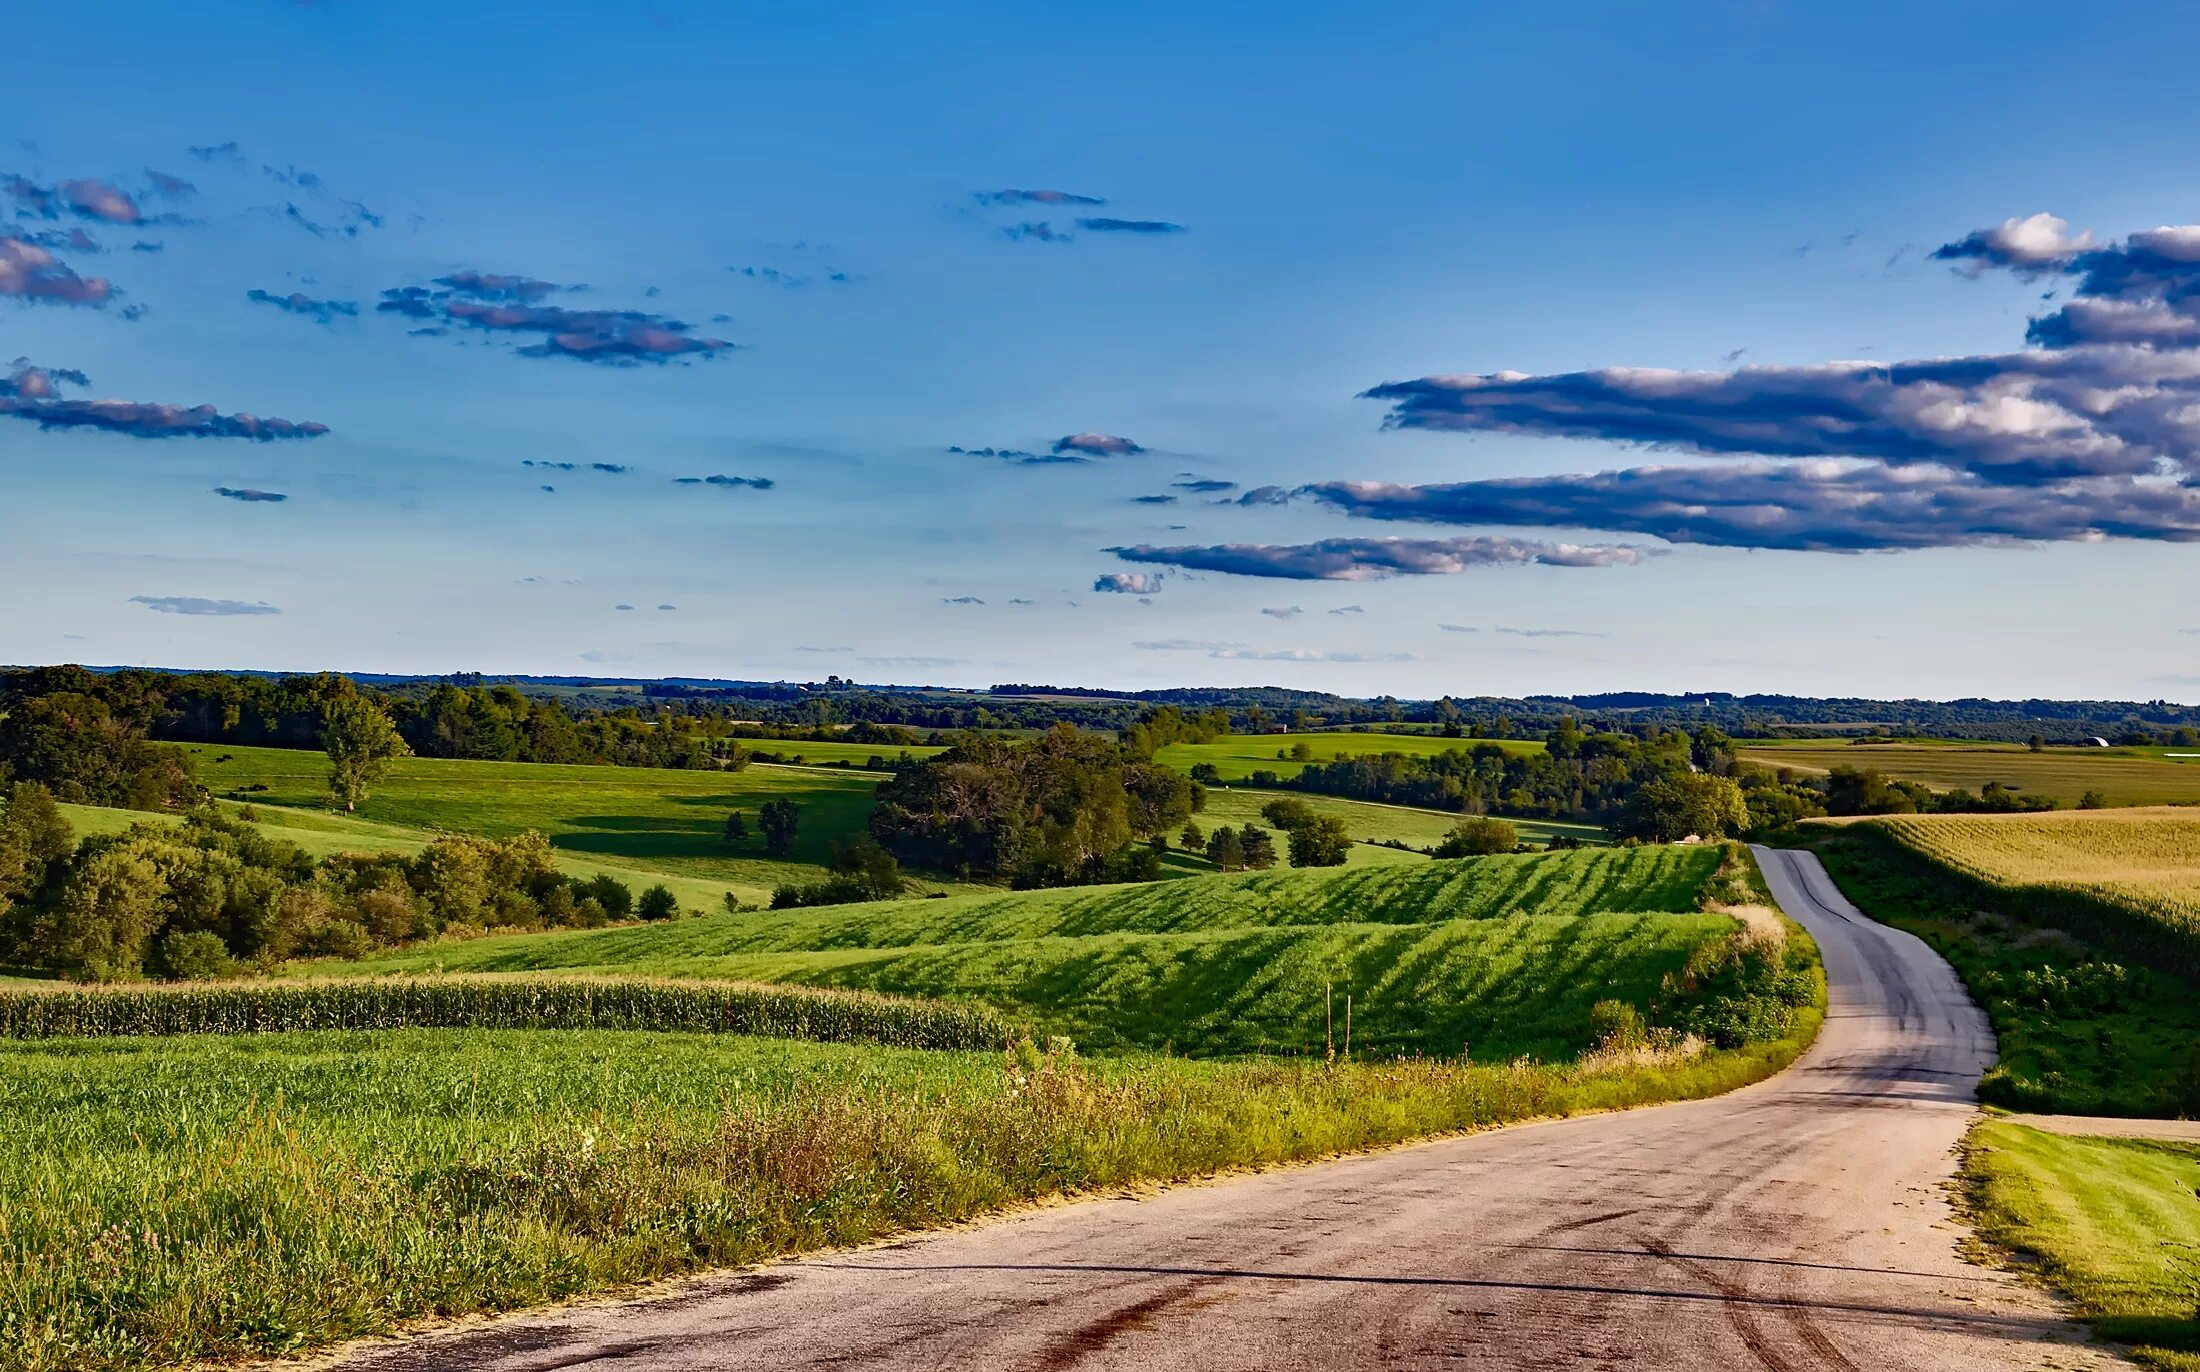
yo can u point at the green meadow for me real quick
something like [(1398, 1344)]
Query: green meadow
[(646, 818), (1371, 822)]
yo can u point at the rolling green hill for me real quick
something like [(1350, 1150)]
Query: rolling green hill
[(1496, 955)]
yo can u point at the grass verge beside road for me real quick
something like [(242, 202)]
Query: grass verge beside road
[(2113, 1223)]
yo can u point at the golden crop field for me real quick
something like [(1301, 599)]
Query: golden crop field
[(2145, 859)]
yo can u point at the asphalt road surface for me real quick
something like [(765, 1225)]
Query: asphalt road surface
[(1797, 1224)]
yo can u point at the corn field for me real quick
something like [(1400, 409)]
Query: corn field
[(2131, 876), (501, 1003)]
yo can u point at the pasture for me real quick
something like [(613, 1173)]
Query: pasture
[(1370, 823), (1236, 757), (2124, 776), (648, 818), (1497, 956)]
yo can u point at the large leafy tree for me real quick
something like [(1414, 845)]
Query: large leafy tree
[(360, 742)]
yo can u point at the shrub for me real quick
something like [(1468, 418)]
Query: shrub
[(1476, 836), (613, 895), (1324, 842), (195, 956), (658, 902)]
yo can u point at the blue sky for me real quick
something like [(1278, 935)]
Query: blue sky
[(583, 202)]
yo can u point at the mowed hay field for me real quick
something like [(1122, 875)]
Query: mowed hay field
[(1496, 956), (643, 817), (2125, 776), (1237, 756)]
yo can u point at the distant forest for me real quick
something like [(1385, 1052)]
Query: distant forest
[(676, 722)]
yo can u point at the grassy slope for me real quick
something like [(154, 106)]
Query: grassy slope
[(2136, 1056), (642, 817), (1238, 756), (1502, 955), (2111, 1222), (325, 834), (2127, 776), (183, 1199)]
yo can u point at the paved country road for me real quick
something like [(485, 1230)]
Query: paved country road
[(1797, 1224)]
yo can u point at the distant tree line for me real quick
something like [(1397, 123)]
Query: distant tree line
[(213, 894)]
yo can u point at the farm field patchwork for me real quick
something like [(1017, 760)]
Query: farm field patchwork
[(642, 817), (1497, 955), (1237, 756), (2125, 776)]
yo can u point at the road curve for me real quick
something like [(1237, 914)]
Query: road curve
[(1797, 1224)]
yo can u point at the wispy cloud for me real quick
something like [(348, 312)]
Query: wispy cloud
[(298, 303), (198, 605), (1349, 610), (1368, 559), (1019, 457), (32, 394), (504, 304), (1139, 226), (250, 496), (1023, 197), (751, 483), (1283, 611), (1205, 486), (961, 600), (1153, 500)]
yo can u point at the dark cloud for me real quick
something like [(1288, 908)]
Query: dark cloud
[(753, 483), (668, 607), (321, 311), (1128, 583), (250, 496), (1145, 226), (961, 600), (143, 246), (1018, 197), (1019, 457), (1283, 611), (217, 152), (29, 271), (547, 490), (1349, 610), (622, 607), (610, 468), (198, 605), (174, 187), (773, 276), (1153, 499), (1815, 506), (506, 304), (1037, 233), (33, 394), (1368, 559), (1261, 495), (71, 239), (553, 466), (1090, 444), (2090, 434), (1206, 486)]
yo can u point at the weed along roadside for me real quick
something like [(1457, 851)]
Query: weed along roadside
[(367, 1177)]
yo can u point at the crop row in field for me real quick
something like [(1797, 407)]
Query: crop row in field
[(2122, 776), (499, 1003)]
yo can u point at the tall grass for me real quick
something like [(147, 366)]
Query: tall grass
[(500, 1003)]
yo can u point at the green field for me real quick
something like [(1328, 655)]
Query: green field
[(1498, 955), (2125, 776), (2110, 1222), (1370, 823), (641, 817), (169, 1201), (1238, 756)]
